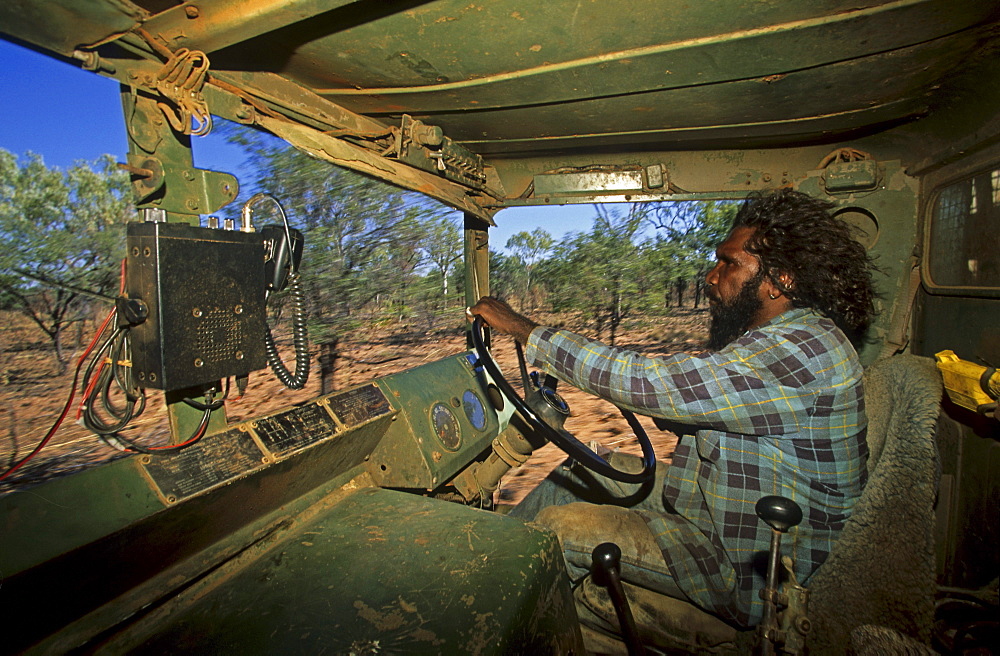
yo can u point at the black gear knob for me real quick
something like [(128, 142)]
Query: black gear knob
[(607, 559), (779, 513)]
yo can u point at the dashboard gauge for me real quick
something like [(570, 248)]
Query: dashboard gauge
[(446, 427), (474, 409)]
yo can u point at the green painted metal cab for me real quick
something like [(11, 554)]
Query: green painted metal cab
[(317, 528)]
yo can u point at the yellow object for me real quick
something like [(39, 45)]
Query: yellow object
[(968, 384)]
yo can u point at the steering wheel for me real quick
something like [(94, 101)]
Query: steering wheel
[(545, 411)]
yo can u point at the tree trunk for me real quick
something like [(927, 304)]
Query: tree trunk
[(57, 344), (328, 355)]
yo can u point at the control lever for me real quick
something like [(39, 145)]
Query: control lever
[(606, 569), (780, 514)]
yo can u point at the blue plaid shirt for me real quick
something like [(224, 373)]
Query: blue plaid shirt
[(778, 411)]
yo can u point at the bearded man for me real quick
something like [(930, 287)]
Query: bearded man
[(775, 406)]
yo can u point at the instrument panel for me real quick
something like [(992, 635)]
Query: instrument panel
[(443, 424)]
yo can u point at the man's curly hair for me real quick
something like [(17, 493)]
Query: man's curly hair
[(831, 271)]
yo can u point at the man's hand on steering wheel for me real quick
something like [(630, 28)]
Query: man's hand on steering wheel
[(500, 317), (542, 409)]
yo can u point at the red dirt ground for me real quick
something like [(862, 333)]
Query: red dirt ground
[(32, 395)]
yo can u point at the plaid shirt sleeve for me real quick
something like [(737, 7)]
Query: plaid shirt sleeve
[(762, 384)]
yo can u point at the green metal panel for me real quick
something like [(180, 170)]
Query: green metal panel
[(510, 78), (412, 454), (381, 571), (893, 205), (45, 521)]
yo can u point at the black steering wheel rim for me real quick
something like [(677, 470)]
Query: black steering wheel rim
[(565, 440)]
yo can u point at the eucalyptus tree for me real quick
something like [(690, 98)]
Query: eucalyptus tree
[(64, 233), (506, 276), (442, 247), (601, 273), (529, 249), (686, 236)]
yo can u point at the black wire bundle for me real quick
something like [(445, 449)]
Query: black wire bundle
[(115, 354), (116, 374)]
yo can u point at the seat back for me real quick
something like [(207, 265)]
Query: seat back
[(881, 570)]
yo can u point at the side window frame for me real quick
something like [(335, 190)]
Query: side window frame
[(936, 253)]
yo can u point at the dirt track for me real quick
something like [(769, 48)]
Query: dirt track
[(31, 397)]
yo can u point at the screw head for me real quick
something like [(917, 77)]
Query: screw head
[(191, 11)]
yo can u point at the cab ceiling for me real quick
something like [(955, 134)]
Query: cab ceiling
[(528, 77)]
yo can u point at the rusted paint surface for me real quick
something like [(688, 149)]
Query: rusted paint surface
[(210, 26), (406, 573), (560, 75), (337, 151)]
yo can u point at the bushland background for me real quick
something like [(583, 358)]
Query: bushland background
[(383, 283)]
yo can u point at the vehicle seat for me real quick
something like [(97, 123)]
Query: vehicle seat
[(881, 571)]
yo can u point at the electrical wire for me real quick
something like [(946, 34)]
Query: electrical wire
[(111, 365), (300, 333), (122, 443), (69, 400), (300, 338), (115, 370)]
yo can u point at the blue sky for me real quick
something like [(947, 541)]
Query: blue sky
[(66, 114)]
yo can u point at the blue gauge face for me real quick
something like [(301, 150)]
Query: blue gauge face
[(474, 409)]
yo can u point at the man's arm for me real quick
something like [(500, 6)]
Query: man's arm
[(499, 316), (733, 390)]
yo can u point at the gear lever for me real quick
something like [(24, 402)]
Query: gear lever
[(780, 514), (606, 569)]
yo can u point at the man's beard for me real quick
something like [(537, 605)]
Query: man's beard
[(730, 320)]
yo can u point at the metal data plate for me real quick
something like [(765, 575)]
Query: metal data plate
[(211, 462), (554, 184), (295, 429), (359, 405)]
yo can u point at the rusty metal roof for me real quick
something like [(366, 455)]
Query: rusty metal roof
[(506, 77)]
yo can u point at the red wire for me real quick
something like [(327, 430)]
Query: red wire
[(69, 401), (72, 390), (202, 429), (90, 390), (194, 438), (100, 367)]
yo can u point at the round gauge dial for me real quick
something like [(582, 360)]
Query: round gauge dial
[(474, 409), (446, 427)]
